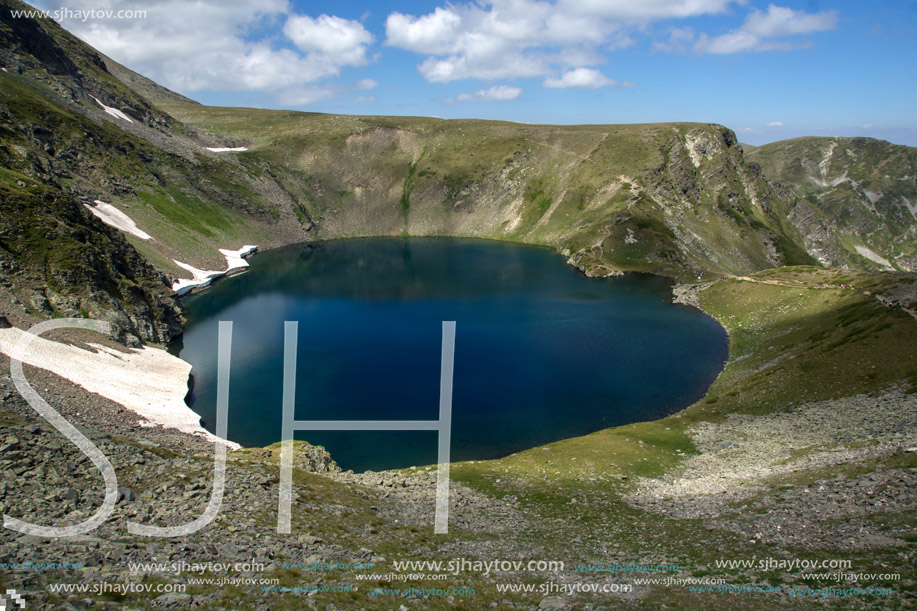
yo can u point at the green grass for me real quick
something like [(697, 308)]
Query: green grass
[(187, 212), (806, 344), (408, 186), (499, 180)]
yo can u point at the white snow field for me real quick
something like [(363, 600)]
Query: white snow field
[(112, 111), (148, 381), (117, 219)]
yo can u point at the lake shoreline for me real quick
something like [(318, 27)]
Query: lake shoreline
[(179, 417), (326, 252)]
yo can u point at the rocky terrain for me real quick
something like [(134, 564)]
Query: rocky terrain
[(855, 204), (744, 455), (801, 448)]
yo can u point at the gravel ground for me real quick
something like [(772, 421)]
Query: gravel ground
[(745, 459)]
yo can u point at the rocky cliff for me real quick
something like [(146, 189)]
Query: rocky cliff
[(855, 199)]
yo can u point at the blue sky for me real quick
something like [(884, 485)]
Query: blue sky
[(768, 70)]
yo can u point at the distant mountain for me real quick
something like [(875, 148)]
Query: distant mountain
[(857, 198)]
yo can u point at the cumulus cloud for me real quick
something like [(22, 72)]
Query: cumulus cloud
[(222, 45), (775, 124), (429, 34), (583, 78), (502, 39), (471, 41), (341, 42), (498, 93), (506, 39), (767, 31)]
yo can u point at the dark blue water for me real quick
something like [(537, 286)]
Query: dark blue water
[(542, 353)]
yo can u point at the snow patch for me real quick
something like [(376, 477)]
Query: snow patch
[(235, 258), (148, 381), (112, 111), (113, 217), (872, 256), (201, 278), (223, 149)]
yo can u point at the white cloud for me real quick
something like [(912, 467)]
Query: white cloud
[(222, 45), (498, 39), (429, 34), (621, 41), (482, 66), (647, 9), (583, 78), (341, 42), (680, 41), (782, 21), (775, 124), (499, 93), (506, 39), (760, 28), (304, 95), (868, 126)]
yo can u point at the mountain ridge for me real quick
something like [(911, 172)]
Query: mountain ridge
[(675, 199), (856, 196), (802, 449)]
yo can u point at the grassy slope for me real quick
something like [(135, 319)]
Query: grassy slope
[(614, 197), (191, 204), (790, 344), (858, 188)]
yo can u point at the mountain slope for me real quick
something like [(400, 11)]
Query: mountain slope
[(673, 199), (666, 198), (857, 198), (72, 133), (781, 460)]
